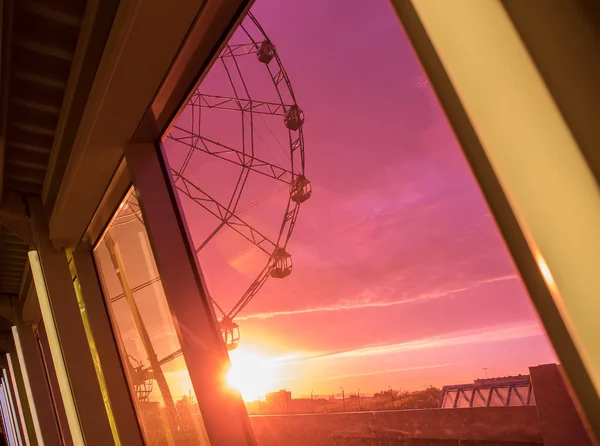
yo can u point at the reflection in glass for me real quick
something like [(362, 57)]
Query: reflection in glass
[(148, 345)]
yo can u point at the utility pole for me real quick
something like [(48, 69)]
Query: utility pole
[(485, 369), (343, 399), (359, 408), (400, 395), (312, 402), (392, 395)]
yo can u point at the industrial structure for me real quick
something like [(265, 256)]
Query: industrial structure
[(510, 391)]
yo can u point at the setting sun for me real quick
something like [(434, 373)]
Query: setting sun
[(251, 373)]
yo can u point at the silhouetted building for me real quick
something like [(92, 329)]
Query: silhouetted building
[(281, 396)]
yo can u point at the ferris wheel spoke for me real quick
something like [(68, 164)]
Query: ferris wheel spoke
[(210, 237), (237, 192), (226, 217), (287, 226), (231, 155), (251, 291), (238, 104), (239, 49)]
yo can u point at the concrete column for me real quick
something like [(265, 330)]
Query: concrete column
[(13, 407), (560, 421), (7, 419), (115, 381), (79, 388), (34, 382), (53, 385), (20, 395)]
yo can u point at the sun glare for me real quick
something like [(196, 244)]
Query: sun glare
[(251, 373)]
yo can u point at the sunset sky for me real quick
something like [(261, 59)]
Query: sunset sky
[(400, 276)]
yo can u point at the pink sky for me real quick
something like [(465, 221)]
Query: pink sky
[(400, 276)]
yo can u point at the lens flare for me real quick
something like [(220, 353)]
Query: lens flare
[(251, 373)]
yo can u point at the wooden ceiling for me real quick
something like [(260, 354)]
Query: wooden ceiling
[(50, 52), (39, 47)]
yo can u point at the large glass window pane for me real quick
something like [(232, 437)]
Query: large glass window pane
[(391, 280), (150, 351)]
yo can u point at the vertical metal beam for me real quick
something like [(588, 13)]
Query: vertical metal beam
[(114, 375), (88, 421), (205, 354), (44, 422)]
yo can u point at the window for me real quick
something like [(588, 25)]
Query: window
[(348, 252), (148, 345), (394, 273)]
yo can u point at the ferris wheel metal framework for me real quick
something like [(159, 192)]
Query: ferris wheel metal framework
[(279, 264)]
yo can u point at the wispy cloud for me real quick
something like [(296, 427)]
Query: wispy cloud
[(403, 369), (368, 303), (367, 354), (478, 336)]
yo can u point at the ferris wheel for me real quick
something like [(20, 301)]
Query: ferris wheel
[(254, 44), (253, 48)]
